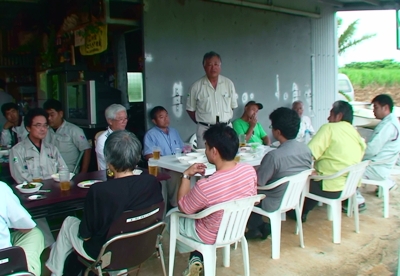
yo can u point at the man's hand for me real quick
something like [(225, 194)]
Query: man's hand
[(199, 168), (8, 125), (253, 121)]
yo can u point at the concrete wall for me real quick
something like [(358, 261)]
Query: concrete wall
[(267, 55)]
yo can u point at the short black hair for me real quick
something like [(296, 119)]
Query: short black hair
[(210, 55), (32, 113), (345, 108), (2, 84), (155, 110), (384, 99), (287, 121), (53, 104), (224, 139), (7, 106)]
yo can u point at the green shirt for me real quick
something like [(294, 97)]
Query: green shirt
[(241, 127), (336, 146)]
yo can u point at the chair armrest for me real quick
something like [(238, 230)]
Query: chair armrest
[(200, 215), (280, 182)]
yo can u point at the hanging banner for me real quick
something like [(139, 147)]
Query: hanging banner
[(95, 42)]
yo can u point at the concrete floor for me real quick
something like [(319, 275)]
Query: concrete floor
[(371, 252)]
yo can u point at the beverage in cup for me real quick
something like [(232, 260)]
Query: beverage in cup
[(153, 166), (242, 140), (156, 153), (64, 180), (36, 175)]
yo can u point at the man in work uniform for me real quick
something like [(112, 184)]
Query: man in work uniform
[(68, 138), (212, 98), (14, 129)]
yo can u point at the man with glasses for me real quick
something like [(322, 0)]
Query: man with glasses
[(34, 153), (14, 129), (68, 138), (117, 119), (212, 98)]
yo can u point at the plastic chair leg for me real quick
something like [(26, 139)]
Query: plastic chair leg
[(385, 192), (300, 226), (246, 261), (161, 252), (276, 235), (350, 203), (209, 262), (172, 246), (329, 212), (226, 252), (337, 221), (356, 214)]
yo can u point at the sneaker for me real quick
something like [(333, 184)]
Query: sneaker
[(194, 268), (361, 207)]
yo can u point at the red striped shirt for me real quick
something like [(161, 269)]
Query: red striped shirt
[(222, 186)]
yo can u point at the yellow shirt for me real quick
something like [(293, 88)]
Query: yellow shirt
[(335, 147)]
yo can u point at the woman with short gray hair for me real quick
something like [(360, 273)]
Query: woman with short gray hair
[(106, 201)]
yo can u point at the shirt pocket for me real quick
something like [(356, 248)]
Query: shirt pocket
[(203, 102), (227, 100)]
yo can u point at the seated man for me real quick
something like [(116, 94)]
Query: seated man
[(34, 153), (104, 203), (230, 181), (167, 139), (68, 138), (336, 146), (117, 119), (383, 146), (4, 98), (14, 129), (305, 125), (248, 125), (26, 235), (290, 158)]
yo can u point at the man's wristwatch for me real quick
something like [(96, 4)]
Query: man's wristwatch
[(186, 176)]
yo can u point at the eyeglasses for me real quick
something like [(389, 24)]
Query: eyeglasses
[(121, 120), (41, 126)]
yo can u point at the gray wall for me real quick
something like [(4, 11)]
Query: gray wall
[(266, 54)]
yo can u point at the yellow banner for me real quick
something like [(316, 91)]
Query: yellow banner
[(95, 43)]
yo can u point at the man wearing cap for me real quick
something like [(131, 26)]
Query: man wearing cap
[(248, 125), (212, 98)]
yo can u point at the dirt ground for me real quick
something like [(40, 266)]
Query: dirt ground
[(366, 94)]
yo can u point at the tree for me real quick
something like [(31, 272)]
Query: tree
[(346, 39)]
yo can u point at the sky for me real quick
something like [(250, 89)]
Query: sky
[(382, 46)]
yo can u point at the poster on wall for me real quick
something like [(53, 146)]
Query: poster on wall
[(95, 42)]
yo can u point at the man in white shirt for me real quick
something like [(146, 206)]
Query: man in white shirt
[(117, 119), (212, 98), (14, 130), (306, 127), (26, 234)]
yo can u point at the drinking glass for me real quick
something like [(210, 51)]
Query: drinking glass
[(242, 140), (153, 166), (36, 174), (156, 153), (178, 152), (64, 179)]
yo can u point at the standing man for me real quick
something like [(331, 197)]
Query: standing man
[(68, 138), (167, 139), (14, 130), (248, 125), (4, 98), (212, 98), (383, 146), (117, 119), (231, 181)]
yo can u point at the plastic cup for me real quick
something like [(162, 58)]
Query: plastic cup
[(178, 152), (36, 175), (64, 180), (153, 166), (156, 153), (242, 140)]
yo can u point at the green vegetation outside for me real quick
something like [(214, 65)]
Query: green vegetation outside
[(384, 72)]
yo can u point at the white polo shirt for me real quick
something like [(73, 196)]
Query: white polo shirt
[(12, 215), (208, 102), (101, 140)]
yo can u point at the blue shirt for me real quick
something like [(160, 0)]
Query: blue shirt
[(167, 142)]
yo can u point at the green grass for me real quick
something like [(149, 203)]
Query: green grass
[(378, 76)]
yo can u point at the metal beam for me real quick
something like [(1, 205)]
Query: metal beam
[(373, 2), (332, 3)]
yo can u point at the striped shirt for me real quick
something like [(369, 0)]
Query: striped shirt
[(222, 186)]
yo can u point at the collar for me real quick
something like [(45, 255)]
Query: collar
[(389, 117), (160, 130), (207, 81)]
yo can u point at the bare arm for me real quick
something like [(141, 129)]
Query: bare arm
[(266, 141), (192, 115), (148, 156), (86, 160)]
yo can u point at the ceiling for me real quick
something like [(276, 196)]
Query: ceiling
[(349, 5)]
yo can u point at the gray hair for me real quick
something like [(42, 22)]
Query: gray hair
[(122, 150), (295, 103), (345, 108), (112, 110)]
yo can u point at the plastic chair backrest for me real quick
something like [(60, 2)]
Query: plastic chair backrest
[(193, 141), (294, 189), (12, 260), (97, 136), (234, 219), (78, 162), (127, 248), (354, 175)]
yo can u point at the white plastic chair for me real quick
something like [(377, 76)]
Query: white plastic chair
[(354, 174), (231, 230), (193, 141), (291, 200)]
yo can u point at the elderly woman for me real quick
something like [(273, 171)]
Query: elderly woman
[(106, 201), (117, 119), (34, 154)]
